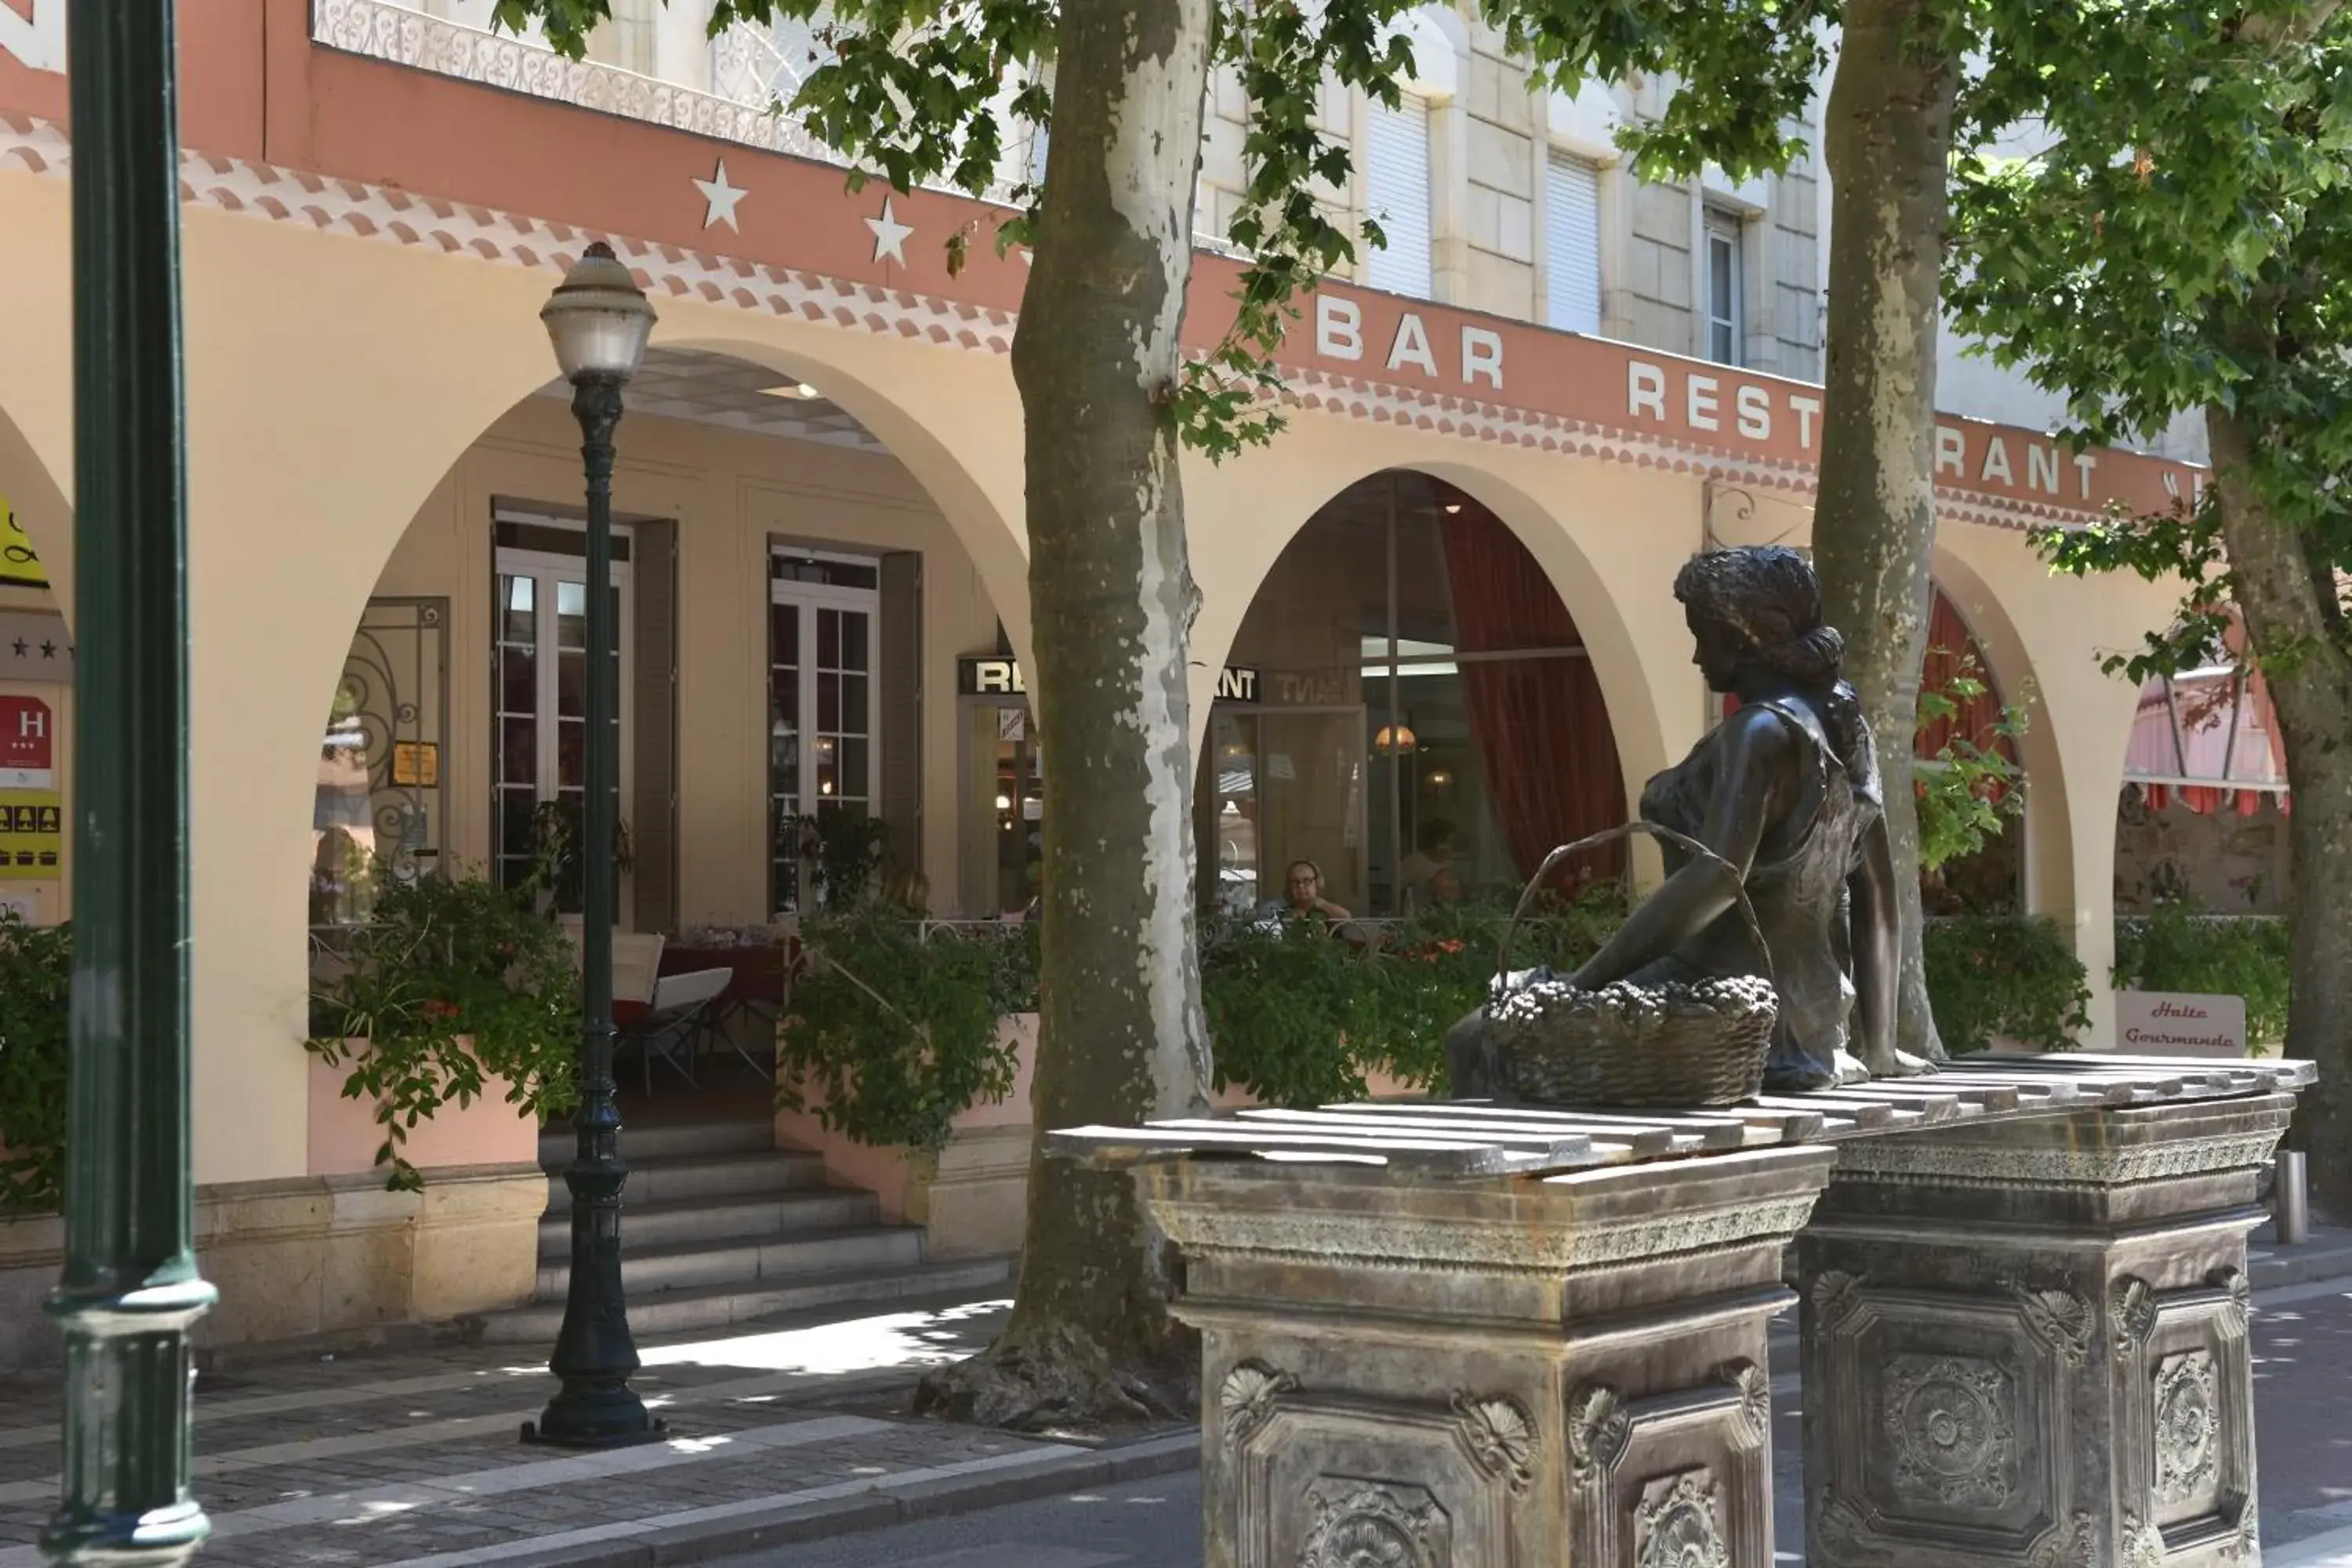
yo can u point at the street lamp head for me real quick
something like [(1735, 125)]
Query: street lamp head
[(598, 318)]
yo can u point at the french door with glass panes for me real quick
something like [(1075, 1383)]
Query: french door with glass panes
[(541, 686), (824, 704)]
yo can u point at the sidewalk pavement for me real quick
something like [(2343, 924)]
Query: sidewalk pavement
[(411, 1459), (781, 1433)]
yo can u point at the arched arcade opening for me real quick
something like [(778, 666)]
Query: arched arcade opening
[(796, 609), (1409, 706)]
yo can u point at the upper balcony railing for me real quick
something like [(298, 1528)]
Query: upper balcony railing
[(751, 71), (405, 35)]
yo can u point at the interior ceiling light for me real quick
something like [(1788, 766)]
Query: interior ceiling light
[(791, 389)]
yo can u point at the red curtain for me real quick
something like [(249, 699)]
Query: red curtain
[(1541, 727), (1950, 647)]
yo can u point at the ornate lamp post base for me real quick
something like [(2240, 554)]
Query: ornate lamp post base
[(611, 1417)]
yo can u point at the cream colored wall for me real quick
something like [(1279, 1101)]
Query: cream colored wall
[(729, 494), (333, 384)]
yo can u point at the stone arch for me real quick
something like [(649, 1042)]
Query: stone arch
[(365, 372), (1241, 565), (1284, 497), (2008, 671), (985, 514), (2049, 823)]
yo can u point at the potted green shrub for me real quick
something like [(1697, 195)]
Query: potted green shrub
[(453, 986)]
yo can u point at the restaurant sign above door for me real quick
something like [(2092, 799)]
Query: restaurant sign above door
[(999, 675)]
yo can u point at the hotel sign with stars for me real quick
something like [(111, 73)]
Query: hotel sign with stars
[(34, 647)]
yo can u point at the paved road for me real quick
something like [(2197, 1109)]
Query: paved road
[(2303, 1371)]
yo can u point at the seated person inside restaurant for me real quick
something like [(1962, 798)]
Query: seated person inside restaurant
[(1303, 899)]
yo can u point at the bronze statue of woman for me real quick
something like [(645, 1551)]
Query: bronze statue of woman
[(1787, 791)]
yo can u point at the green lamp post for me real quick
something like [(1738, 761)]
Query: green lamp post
[(599, 321), (130, 1292)]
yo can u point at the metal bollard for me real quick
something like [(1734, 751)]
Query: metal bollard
[(2290, 1200)]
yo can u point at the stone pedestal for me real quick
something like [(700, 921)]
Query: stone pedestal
[(1490, 1372), (2025, 1342)]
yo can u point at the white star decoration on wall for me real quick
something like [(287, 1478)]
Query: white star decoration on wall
[(37, 40), (890, 234), (721, 198)]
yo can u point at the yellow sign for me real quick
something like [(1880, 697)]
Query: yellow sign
[(17, 562), (32, 836), (415, 765)]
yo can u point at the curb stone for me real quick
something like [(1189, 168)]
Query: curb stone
[(879, 1509)]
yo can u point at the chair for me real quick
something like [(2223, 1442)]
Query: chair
[(636, 963), (637, 969), (673, 1022)]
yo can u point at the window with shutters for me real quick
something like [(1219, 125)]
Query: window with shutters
[(1572, 243), (824, 702), (1396, 169), (1719, 270)]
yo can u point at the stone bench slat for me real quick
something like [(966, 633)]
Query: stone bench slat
[(1486, 1139), (1456, 1157), (1767, 1127), (2106, 1090), (1993, 1097), (2242, 1078), (1932, 1107), (1867, 1115), (2279, 1072), (1647, 1139), (2180, 1077)]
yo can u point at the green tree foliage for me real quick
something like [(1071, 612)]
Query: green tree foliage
[(2006, 978), (453, 986), (895, 1028), (2174, 244), (1969, 793), (1304, 1012), (2179, 947)]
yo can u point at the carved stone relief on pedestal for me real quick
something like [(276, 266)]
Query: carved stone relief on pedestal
[(1950, 1419), (1679, 1523), (1363, 1525), (2187, 1421), (1679, 1515), (1341, 1479)]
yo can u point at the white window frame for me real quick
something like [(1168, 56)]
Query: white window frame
[(1719, 227), (809, 597), (546, 568)]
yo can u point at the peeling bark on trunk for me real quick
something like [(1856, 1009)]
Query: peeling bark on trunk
[(2289, 602), (1121, 1036), (1887, 130)]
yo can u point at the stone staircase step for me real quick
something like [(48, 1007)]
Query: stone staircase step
[(760, 1216), (775, 1259), (721, 1306), (685, 1141), (672, 1181)]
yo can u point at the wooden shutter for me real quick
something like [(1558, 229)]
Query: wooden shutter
[(900, 643), (1572, 243), (653, 794), (1397, 190)]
